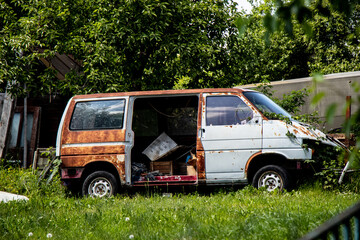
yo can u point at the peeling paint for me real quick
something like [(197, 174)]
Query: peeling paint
[(120, 158)]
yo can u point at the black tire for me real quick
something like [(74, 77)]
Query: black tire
[(99, 184), (272, 177)]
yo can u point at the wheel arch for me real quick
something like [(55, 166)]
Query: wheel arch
[(101, 166), (260, 160)]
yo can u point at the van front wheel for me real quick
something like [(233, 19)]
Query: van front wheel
[(271, 177), (99, 184)]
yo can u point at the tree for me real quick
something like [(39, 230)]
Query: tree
[(297, 41), (281, 57), (141, 45), (122, 45), (335, 42)]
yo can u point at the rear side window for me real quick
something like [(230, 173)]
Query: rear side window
[(227, 110), (93, 115)]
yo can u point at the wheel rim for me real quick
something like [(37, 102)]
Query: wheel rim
[(100, 187), (271, 181)]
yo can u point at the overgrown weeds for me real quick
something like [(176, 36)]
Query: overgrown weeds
[(27, 182)]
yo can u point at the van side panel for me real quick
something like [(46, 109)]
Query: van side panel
[(118, 160)]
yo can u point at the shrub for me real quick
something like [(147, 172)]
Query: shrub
[(27, 182)]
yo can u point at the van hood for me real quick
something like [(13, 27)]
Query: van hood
[(306, 131)]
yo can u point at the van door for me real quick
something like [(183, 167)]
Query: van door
[(231, 132)]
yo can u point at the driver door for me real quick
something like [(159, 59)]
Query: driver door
[(231, 132)]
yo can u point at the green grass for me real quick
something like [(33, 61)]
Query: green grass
[(243, 214), (240, 214)]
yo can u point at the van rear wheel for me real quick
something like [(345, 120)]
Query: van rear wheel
[(271, 177), (99, 184)]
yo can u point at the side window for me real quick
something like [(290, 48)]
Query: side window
[(226, 110), (93, 115)]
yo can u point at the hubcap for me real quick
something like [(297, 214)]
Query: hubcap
[(100, 187), (271, 181)]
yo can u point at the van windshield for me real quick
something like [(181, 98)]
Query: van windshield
[(266, 105)]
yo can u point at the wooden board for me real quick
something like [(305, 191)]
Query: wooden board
[(5, 120), (164, 167)]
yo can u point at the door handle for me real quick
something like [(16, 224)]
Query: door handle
[(202, 131)]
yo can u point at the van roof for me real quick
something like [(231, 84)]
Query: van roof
[(163, 92)]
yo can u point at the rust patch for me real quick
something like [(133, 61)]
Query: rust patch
[(82, 161), (200, 164), (93, 150), (304, 131), (162, 92), (119, 163), (96, 136), (117, 160), (199, 146)]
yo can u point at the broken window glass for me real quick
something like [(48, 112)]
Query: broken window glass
[(92, 115)]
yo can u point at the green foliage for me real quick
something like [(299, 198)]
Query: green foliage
[(328, 163), (122, 46), (283, 14), (331, 165), (258, 61), (292, 103), (31, 182), (292, 39), (26, 181), (143, 45)]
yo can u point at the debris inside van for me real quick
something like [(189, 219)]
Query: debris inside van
[(137, 169), (191, 163), (164, 167), (160, 147)]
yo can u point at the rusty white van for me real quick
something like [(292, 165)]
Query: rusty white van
[(180, 137)]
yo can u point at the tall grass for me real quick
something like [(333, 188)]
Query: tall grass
[(27, 182), (242, 214)]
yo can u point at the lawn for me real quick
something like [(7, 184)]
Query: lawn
[(239, 214)]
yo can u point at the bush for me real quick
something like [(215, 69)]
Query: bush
[(27, 182)]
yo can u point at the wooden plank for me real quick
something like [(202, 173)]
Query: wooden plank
[(164, 167), (5, 121), (71, 64), (59, 66), (48, 64), (2, 96), (34, 132)]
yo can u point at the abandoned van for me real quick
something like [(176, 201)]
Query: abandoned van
[(180, 137)]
